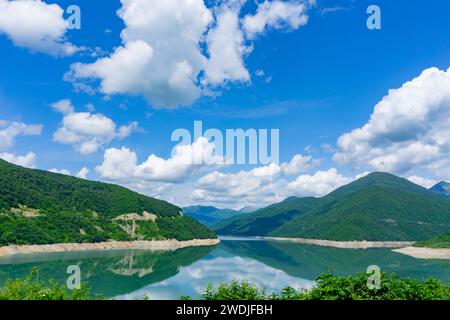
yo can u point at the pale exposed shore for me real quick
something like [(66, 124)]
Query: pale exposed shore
[(425, 253), (165, 245), (345, 244)]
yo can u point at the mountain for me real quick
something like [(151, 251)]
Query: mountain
[(442, 188), (263, 221), (208, 215), (40, 207), (378, 207), (248, 209)]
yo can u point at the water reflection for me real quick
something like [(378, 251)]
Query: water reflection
[(108, 273), (219, 267), (170, 275), (308, 261)]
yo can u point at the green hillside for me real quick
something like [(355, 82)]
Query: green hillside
[(39, 207), (263, 221), (379, 207), (442, 241), (209, 215)]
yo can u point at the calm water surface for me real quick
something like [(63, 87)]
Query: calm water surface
[(170, 275)]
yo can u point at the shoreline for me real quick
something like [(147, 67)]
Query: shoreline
[(157, 245), (344, 244), (425, 253)]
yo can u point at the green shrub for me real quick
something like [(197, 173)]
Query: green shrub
[(329, 287), (235, 291)]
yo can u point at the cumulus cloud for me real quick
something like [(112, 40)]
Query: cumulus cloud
[(161, 52), (35, 25), (299, 164), (63, 106), (28, 160), (408, 130), (133, 57), (424, 182), (226, 49), (122, 164), (276, 15), (10, 130), (257, 187), (175, 51), (60, 171), (254, 188), (319, 184), (86, 131), (81, 174)]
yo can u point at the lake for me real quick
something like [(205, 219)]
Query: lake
[(170, 275)]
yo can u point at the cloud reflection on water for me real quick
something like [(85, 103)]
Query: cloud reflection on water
[(193, 280)]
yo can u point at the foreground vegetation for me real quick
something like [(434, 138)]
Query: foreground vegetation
[(436, 242), (328, 287), (39, 207), (31, 288)]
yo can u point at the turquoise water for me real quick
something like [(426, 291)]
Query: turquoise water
[(170, 275)]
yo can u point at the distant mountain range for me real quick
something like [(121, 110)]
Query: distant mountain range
[(40, 207), (209, 215), (378, 207), (442, 188)]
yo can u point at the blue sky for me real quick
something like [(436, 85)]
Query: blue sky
[(321, 79)]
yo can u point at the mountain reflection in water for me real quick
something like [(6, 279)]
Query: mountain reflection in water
[(170, 275)]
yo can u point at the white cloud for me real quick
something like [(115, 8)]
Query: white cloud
[(277, 15), (10, 130), (35, 25), (175, 51), (60, 171), (90, 107), (424, 182), (408, 130), (299, 164), (319, 184), (257, 187), (63, 106), (134, 57), (89, 132), (81, 174), (226, 50), (328, 10), (253, 188), (28, 160), (122, 165), (161, 52)]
